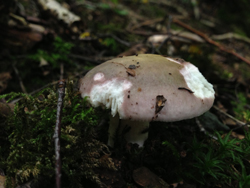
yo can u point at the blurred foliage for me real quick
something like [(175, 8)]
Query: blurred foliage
[(28, 150), (40, 67), (218, 161), (234, 14), (56, 56), (240, 109), (207, 161)]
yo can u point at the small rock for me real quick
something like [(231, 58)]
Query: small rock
[(145, 178)]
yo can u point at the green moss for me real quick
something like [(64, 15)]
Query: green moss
[(180, 152), (58, 54), (205, 161), (28, 150)]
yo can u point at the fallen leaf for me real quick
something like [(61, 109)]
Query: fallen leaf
[(2, 181)]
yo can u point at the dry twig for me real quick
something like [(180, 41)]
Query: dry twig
[(231, 36), (231, 117), (19, 78), (209, 40), (61, 90)]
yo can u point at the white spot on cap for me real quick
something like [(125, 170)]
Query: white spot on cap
[(197, 82), (126, 84), (99, 76), (110, 94)]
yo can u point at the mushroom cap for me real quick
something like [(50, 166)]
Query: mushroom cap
[(148, 87)]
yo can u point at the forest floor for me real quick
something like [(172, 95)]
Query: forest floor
[(42, 43)]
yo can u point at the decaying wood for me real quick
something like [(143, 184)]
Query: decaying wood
[(59, 11)]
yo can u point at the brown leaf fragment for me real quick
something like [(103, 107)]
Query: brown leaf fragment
[(130, 72), (160, 103), (4, 78), (145, 178), (237, 135)]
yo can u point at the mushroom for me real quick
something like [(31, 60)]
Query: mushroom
[(144, 88)]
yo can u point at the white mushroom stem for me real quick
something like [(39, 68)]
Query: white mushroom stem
[(131, 131)]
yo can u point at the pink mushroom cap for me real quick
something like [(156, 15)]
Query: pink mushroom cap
[(148, 87)]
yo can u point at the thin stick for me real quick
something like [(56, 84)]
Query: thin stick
[(115, 38), (61, 71), (19, 78), (58, 166), (231, 117), (202, 129)]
